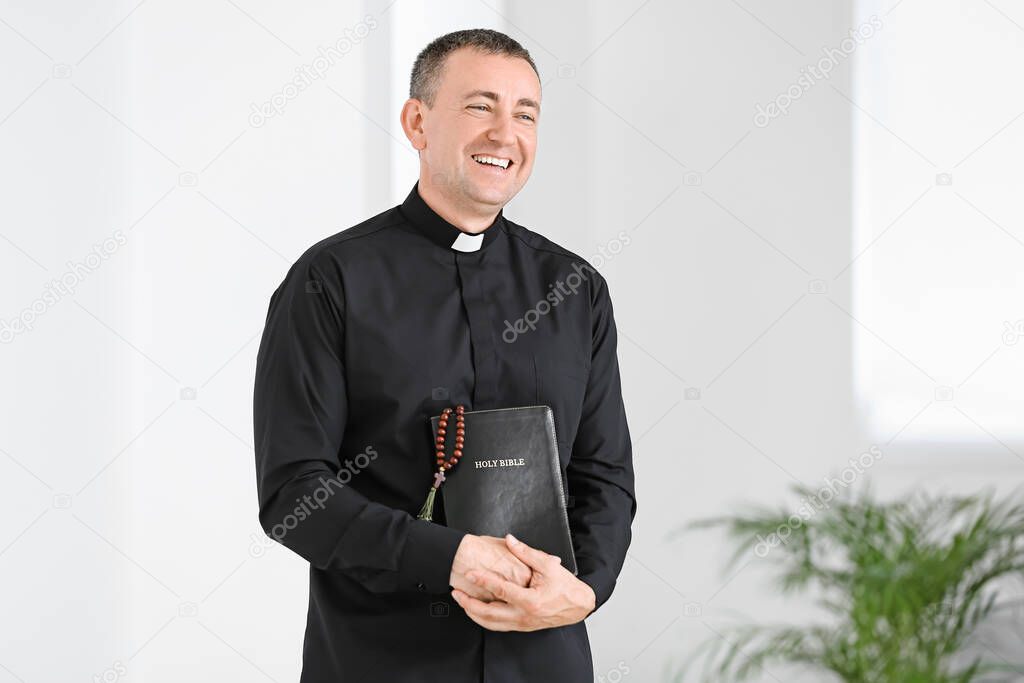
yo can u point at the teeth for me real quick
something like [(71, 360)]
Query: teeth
[(503, 163)]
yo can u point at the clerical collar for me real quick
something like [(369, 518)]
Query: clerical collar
[(443, 233)]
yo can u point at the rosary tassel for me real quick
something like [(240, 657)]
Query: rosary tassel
[(427, 511)]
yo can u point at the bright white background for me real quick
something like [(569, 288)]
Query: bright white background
[(792, 294)]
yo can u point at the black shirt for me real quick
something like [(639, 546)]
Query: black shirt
[(374, 330)]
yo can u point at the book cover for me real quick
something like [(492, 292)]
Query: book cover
[(509, 480)]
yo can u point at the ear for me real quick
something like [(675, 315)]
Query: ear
[(412, 123)]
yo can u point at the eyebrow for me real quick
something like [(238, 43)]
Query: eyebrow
[(523, 101)]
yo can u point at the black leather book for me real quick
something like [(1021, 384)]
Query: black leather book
[(509, 480)]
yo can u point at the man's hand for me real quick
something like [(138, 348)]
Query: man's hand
[(486, 553), (554, 597)]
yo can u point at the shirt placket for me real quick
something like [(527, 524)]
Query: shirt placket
[(485, 365)]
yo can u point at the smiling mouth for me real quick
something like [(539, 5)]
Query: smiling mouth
[(497, 163)]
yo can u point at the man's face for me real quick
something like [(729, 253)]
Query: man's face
[(486, 105)]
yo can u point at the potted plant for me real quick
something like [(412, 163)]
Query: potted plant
[(907, 584)]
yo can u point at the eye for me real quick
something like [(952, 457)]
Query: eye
[(528, 117), (478, 106)]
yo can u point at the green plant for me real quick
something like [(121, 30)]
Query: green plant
[(907, 584)]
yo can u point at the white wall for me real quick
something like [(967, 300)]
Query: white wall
[(128, 514), (736, 282)]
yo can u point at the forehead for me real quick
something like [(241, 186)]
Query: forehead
[(467, 70)]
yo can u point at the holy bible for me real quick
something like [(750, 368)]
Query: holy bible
[(509, 480)]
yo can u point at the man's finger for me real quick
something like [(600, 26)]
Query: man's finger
[(534, 558), (493, 615), (502, 589)]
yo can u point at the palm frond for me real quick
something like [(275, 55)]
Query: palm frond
[(909, 581)]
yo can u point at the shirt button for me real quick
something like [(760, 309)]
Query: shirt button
[(421, 586)]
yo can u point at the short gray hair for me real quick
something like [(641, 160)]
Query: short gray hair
[(429, 65)]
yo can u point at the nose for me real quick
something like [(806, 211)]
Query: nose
[(501, 132)]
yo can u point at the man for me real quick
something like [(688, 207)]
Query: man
[(436, 302)]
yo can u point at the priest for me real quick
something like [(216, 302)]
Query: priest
[(439, 301)]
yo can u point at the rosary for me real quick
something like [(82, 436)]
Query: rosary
[(427, 511)]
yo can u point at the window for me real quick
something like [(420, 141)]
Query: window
[(938, 223)]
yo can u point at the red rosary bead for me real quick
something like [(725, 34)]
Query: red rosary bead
[(442, 432), (426, 512)]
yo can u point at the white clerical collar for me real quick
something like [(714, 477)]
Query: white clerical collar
[(467, 242), (444, 234)]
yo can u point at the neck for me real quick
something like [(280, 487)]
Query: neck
[(465, 217)]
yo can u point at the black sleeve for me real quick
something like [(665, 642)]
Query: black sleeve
[(600, 471), (300, 407)]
